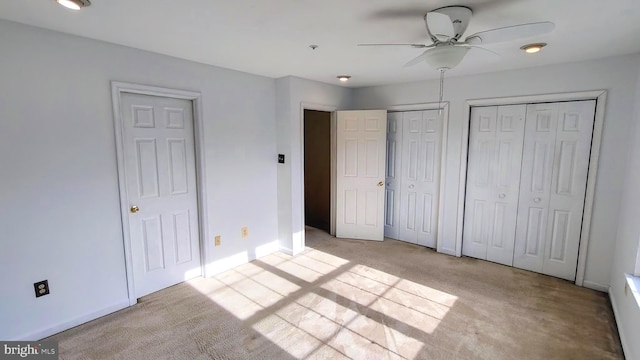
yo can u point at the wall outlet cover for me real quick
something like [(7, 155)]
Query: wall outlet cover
[(41, 288)]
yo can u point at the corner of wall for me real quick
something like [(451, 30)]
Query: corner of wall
[(283, 146)]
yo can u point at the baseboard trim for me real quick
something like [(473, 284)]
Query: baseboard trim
[(595, 286), (286, 250), (616, 314), (41, 334)]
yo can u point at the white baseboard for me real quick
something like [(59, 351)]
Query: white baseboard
[(595, 286), (41, 334), (286, 250), (616, 314)]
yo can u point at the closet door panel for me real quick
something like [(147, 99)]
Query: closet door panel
[(535, 186), (479, 192), (428, 185), (568, 187), (393, 176), (409, 207), (507, 166), (493, 177), (419, 176)]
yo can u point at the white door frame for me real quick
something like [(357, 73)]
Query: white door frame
[(601, 97), (443, 154), (330, 109), (117, 89)]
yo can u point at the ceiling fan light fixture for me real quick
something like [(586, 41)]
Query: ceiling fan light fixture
[(344, 78), (533, 48), (445, 57), (74, 4)]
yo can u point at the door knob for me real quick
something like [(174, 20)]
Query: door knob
[(380, 183), (411, 186), (134, 209), (537, 200), (502, 196)]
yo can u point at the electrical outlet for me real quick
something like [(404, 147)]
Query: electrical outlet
[(245, 232), (217, 241), (41, 288)]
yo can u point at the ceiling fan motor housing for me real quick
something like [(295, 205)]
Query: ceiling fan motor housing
[(459, 16)]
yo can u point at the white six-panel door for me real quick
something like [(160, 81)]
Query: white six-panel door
[(414, 156), (528, 216), (360, 174), (420, 177), (159, 155), (493, 178), (554, 174)]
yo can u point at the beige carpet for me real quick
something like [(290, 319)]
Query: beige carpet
[(359, 300)]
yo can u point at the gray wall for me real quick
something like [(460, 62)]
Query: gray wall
[(59, 202), (616, 75), (292, 94), (628, 242)]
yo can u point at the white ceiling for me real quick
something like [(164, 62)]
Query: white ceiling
[(272, 37)]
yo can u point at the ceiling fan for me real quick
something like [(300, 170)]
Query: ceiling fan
[(445, 27)]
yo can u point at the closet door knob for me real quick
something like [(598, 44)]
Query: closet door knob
[(502, 196), (411, 186), (537, 200)]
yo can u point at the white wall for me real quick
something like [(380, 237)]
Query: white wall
[(627, 244), (59, 204), (616, 75), (291, 94)]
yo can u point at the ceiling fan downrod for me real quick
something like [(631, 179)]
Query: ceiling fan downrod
[(442, 70)]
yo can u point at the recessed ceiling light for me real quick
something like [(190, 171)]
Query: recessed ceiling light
[(344, 78), (74, 4), (533, 48)]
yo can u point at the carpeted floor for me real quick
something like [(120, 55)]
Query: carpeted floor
[(360, 300)]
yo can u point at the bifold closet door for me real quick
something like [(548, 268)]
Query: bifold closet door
[(493, 176), (420, 177), (553, 183), (392, 178), (414, 151)]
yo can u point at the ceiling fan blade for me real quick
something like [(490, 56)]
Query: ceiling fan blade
[(417, 46), (485, 50), (510, 33), (440, 25), (416, 60), (398, 13), (482, 54)]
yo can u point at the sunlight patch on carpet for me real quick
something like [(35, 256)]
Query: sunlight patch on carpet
[(318, 303)]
